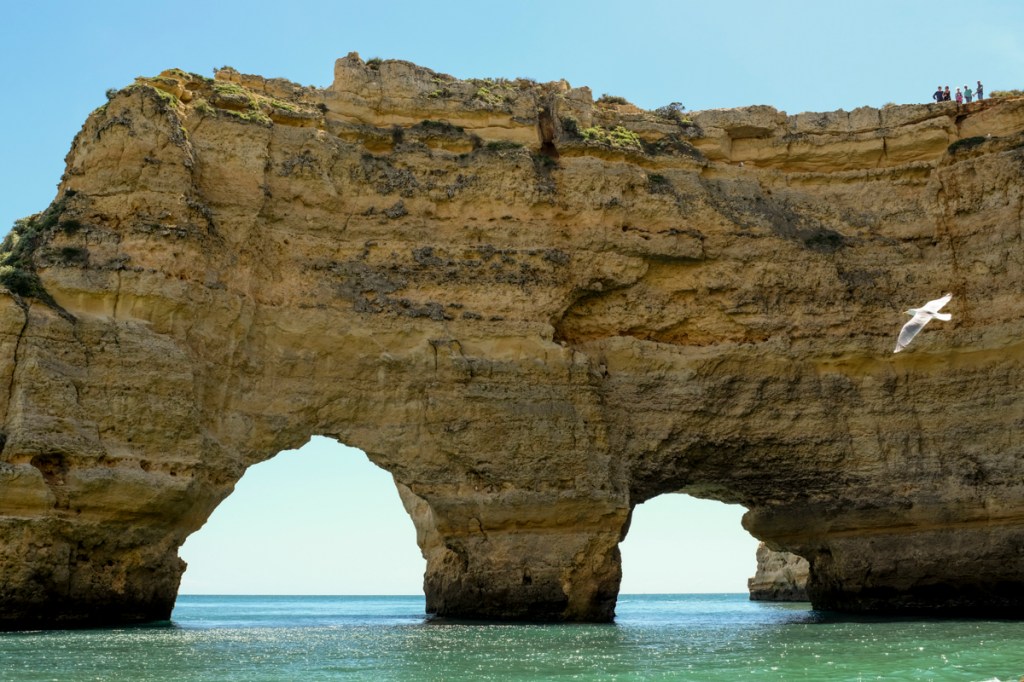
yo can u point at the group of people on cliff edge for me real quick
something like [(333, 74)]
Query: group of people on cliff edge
[(968, 95)]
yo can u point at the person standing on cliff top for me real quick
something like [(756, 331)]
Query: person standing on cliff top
[(938, 94), (959, 96), (980, 91), (945, 95), (968, 93)]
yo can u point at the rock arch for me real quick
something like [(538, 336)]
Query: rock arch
[(531, 347), (319, 520), (681, 544)]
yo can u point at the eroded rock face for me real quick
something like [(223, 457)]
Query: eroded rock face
[(536, 311), (780, 576)]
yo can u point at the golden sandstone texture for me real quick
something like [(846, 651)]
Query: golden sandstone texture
[(536, 311), (780, 576)]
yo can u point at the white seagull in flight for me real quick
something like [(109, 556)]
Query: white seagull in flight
[(921, 317)]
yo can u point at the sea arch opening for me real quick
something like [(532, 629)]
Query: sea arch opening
[(319, 520), (679, 544)]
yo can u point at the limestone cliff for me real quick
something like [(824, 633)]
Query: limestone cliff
[(780, 576), (536, 311)]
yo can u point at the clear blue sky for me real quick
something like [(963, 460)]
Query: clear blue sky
[(60, 57)]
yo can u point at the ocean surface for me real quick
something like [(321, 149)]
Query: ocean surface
[(655, 637)]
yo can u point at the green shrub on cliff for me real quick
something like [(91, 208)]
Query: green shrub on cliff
[(502, 145), (673, 112), (19, 281), (17, 267), (570, 126), (17, 271), (488, 96), (965, 144), (618, 136)]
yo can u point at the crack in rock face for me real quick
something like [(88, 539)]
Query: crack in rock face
[(536, 311)]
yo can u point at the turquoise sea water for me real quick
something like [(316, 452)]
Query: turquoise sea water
[(655, 637)]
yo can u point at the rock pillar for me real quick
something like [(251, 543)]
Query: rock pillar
[(780, 576), (549, 562), (64, 575), (902, 573)]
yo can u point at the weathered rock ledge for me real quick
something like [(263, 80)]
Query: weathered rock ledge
[(536, 311)]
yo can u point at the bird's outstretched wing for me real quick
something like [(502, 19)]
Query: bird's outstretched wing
[(936, 305), (922, 315), (911, 328)]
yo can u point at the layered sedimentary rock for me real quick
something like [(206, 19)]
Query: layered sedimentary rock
[(780, 576), (536, 311)]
